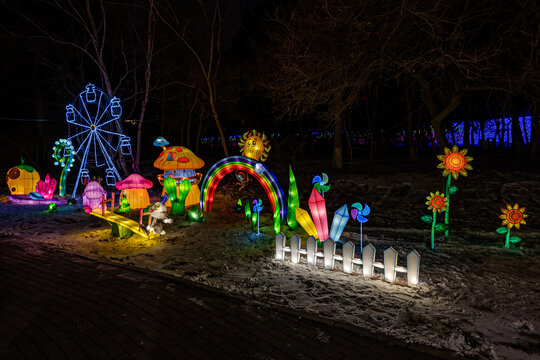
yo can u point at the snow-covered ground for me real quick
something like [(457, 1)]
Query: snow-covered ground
[(475, 297)]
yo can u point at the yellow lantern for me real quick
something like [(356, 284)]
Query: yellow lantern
[(306, 222), (254, 145), (22, 179)]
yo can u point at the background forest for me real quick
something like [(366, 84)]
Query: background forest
[(325, 79)]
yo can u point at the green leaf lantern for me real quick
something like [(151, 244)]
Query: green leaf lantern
[(194, 214), (292, 202), (247, 211), (277, 221), (177, 201)]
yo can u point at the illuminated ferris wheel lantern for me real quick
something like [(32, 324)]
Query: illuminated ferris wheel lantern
[(94, 130)]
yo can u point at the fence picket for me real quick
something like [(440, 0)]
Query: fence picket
[(329, 251), (368, 258), (295, 246), (348, 255), (311, 250), (390, 263), (413, 268), (280, 244)]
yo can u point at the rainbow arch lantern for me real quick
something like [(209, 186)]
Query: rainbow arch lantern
[(256, 169)]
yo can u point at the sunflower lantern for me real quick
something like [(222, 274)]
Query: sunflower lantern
[(437, 203), (512, 216), (22, 179), (179, 163), (454, 163)]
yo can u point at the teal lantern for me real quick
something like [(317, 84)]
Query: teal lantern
[(341, 217)]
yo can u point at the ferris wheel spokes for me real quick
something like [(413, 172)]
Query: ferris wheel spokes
[(110, 165), (82, 169), (100, 116), (82, 143), (107, 143)]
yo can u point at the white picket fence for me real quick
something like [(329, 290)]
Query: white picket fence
[(348, 260)]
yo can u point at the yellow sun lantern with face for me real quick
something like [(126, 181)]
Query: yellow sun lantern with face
[(454, 162), (254, 145), (513, 216)]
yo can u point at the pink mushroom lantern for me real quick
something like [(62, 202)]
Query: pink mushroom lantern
[(134, 187), (93, 196)]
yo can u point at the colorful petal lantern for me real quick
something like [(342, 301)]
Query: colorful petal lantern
[(22, 179), (305, 222), (180, 163), (134, 187), (317, 206), (46, 188), (341, 217)]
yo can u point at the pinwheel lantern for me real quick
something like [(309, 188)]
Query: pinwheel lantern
[(341, 217), (317, 206), (359, 214), (321, 184), (257, 207)]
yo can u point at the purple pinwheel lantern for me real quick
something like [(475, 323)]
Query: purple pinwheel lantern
[(359, 214), (257, 207)]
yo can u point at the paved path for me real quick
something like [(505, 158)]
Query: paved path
[(55, 305)]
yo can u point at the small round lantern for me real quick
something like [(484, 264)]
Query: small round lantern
[(135, 189), (22, 179)]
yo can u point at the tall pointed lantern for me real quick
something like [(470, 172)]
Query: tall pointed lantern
[(293, 201), (341, 217), (317, 206), (305, 222)]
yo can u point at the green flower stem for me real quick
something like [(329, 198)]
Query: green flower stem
[(433, 229), (507, 243), (447, 212)]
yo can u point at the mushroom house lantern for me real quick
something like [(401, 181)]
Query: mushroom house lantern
[(134, 187), (179, 163), (22, 179)]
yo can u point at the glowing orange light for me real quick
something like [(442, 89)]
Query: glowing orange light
[(454, 162), (437, 202)]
